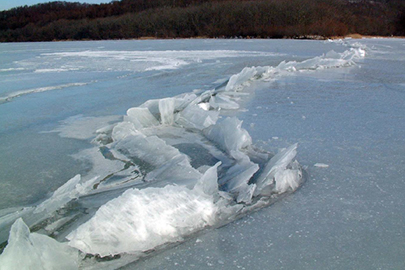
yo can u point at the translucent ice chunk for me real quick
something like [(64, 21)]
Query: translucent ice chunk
[(61, 196), (246, 193), (27, 250), (238, 79), (150, 149), (72, 189), (286, 179), (331, 59), (223, 102), (122, 130), (166, 109), (177, 170), (321, 165), (230, 136), (208, 183), (239, 175), (276, 166), (153, 106), (183, 100), (140, 220), (178, 103), (141, 117), (195, 117)]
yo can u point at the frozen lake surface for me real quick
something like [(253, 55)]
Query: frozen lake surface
[(118, 148)]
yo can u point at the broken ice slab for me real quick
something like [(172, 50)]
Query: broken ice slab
[(27, 250)]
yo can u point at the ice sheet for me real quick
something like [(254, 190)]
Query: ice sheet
[(154, 144), (83, 128)]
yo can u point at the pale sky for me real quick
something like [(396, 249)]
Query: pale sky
[(8, 4)]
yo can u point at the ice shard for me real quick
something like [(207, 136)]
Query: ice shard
[(27, 251)]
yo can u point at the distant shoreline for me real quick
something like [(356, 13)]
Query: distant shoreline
[(309, 37), (358, 36), (168, 19)]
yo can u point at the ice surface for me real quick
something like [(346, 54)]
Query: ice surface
[(79, 127), (27, 250), (164, 150)]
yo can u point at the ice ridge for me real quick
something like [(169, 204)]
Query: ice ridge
[(17, 94), (184, 199)]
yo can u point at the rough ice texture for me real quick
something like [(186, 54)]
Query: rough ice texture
[(286, 179), (329, 60), (274, 171), (159, 160), (224, 102), (26, 251), (70, 190), (239, 79), (230, 136), (141, 118), (166, 110), (197, 116), (143, 219), (140, 220), (150, 149), (208, 183)]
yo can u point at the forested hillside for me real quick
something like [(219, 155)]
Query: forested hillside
[(207, 18)]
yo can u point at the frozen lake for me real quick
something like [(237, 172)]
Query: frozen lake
[(66, 150)]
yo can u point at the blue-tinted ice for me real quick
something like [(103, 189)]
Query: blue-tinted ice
[(168, 168)]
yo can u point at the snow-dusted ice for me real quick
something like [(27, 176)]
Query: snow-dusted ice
[(133, 146)]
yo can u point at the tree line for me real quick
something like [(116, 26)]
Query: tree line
[(129, 19)]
